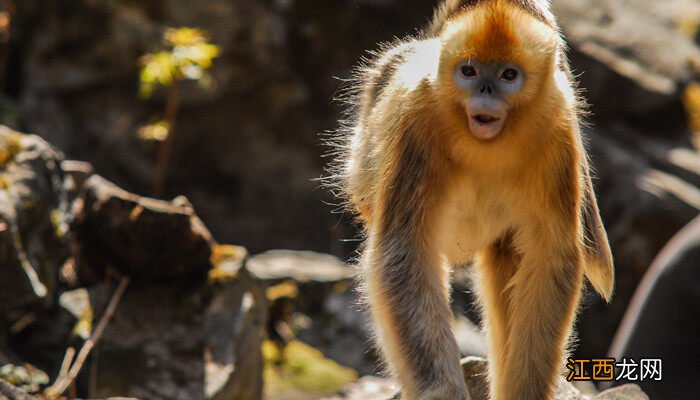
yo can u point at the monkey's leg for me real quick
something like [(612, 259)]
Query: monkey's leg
[(409, 298), (495, 267), (544, 295), (407, 279)]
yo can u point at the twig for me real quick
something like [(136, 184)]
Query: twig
[(163, 161), (65, 365), (22, 323), (63, 381), (94, 366)]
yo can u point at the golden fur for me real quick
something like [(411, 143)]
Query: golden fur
[(431, 195)]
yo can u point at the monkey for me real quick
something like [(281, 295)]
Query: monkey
[(463, 145)]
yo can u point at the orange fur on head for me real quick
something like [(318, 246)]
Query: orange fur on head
[(500, 32)]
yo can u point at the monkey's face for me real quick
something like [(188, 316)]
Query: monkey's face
[(494, 62), (486, 87)]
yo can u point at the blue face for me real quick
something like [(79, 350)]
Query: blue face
[(486, 86)]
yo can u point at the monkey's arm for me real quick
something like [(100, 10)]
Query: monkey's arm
[(407, 280)]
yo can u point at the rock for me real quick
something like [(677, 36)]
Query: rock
[(475, 370), (11, 392), (76, 302), (41, 338), (475, 373), (152, 347), (34, 218), (24, 377), (368, 388), (342, 331), (79, 172), (121, 398), (302, 266), (624, 392), (628, 72), (184, 340), (140, 237), (324, 308), (234, 324), (470, 339)]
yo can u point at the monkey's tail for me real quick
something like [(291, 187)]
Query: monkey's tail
[(599, 268), (601, 276)]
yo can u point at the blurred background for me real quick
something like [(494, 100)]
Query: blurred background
[(226, 102)]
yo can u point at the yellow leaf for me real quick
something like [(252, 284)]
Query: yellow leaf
[(10, 146), (226, 260), (185, 36), (284, 289)]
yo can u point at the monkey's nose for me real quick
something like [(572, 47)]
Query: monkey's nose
[(486, 88)]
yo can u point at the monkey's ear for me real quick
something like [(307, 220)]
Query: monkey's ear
[(599, 268)]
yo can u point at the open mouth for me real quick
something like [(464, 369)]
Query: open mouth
[(485, 125), (485, 119)]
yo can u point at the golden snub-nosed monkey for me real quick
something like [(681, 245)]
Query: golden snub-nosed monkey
[(463, 144)]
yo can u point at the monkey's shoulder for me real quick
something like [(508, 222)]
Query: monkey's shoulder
[(400, 67)]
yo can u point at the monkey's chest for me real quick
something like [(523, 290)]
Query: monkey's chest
[(471, 222)]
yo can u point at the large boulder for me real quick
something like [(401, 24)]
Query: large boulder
[(175, 334), (634, 58), (183, 340), (139, 236), (34, 221)]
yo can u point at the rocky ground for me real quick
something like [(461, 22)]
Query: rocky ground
[(193, 316), (474, 369), (69, 237)]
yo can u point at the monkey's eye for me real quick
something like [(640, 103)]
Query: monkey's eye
[(468, 71), (509, 74)]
